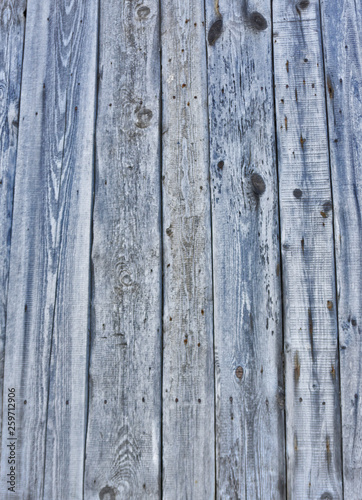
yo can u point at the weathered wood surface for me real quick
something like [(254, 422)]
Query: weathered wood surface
[(188, 373), (12, 25), (250, 443), (48, 298), (313, 427), (142, 254), (342, 39), (124, 430)]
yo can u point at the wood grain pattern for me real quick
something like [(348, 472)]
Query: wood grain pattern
[(47, 315), (342, 41), (12, 25), (247, 290), (124, 431), (311, 339), (188, 377)]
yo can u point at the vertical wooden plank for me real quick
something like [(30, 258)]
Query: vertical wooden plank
[(12, 26), (47, 314), (188, 377), (248, 324), (124, 430), (311, 340), (342, 38)]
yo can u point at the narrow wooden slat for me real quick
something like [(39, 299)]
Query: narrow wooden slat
[(47, 314), (311, 341), (124, 430), (12, 24), (248, 324), (342, 39), (188, 377)]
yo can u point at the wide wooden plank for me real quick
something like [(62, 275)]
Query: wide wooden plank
[(124, 428), (342, 41), (12, 24), (248, 321), (188, 376), (311, 338), (47, 313)]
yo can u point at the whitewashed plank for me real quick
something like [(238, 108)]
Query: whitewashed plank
[(310, 325), (47, 314), (12, 25), (250, 440), (188, 377), (124, 429), (342, 39)]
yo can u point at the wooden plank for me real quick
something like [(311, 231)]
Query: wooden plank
[(47, 314), (248, 321), (343, 71), (310, 324), (188, 376), (124, 431), (12, 25)]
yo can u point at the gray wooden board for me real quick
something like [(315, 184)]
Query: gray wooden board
[(188, 376), (342, 41), (310, 323), (47, 313), (124, 428), (12, 24), (247, 290)]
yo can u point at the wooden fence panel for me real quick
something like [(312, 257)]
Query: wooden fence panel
[(247, 289), (310, 324), (342, 42), (188, 373), (48, 312), (124, 431), (12, 25)]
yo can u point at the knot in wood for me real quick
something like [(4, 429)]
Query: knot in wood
[(297, 193), (303, 4), (144, 117), (258, 184), (143, 12), (215, 32), (107, 493), (239, 372), (258, 21)]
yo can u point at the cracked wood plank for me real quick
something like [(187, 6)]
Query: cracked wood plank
[(310, 324), (247, 289), (188, 372), (48, 298), (342, 39), (12, 26), (124, 427)]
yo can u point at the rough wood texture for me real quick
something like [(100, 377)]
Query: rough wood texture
[(343, 62), (312, 373), (124, 431), (188, 376), (247, 290), (12, 23), (47, 314)]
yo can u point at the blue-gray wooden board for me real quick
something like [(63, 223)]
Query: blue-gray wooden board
[(180, 249)]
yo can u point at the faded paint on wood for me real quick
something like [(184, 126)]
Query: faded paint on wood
[(188, 375), (124, 429), (12, 24), (311, 342), (247, 290), (342, 41), (47, 314)]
